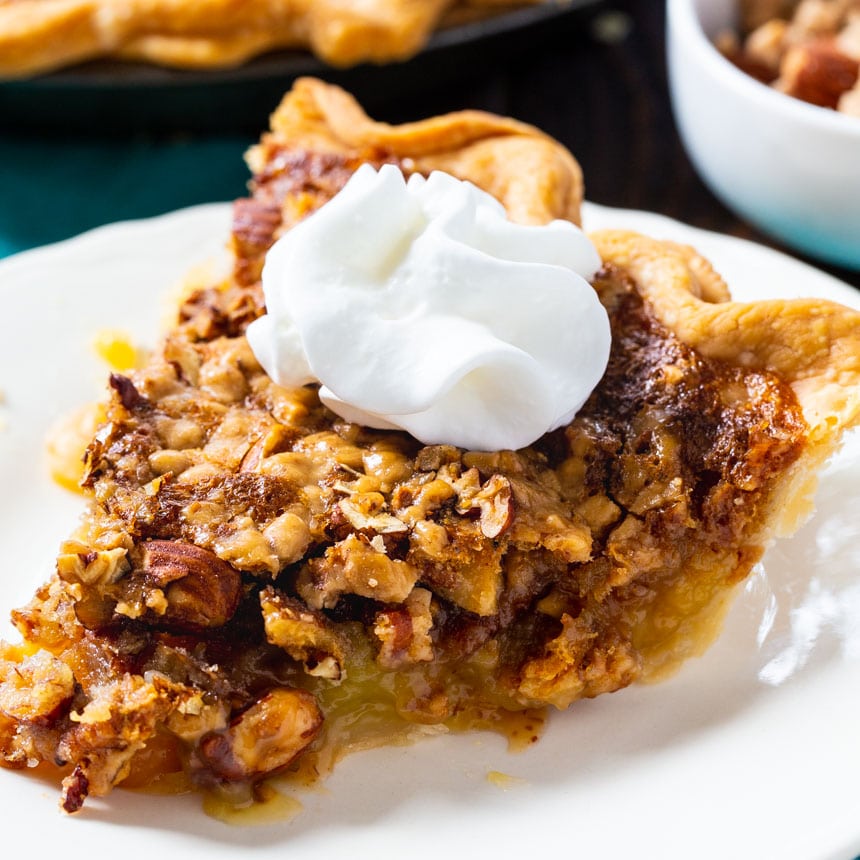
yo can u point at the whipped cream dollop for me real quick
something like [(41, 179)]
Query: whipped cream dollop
[(419, 306)]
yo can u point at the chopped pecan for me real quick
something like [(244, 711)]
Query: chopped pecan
[(579, 663), (264, 738), (128, 394), (79, 563), (76, 787), (184, 358), (99, 572), (404, 631), (222, 373), (417, 502), (766, 46), (469, 574), (305, 635), (244, 546), (364, 511), (495, 502), (35, 689), (276, 440), (200, 590), (355, 567), (433, 457), (288, 536), (817, 72)]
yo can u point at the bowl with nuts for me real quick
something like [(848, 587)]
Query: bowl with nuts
[(766, 95)]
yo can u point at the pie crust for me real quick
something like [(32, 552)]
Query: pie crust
[(253, 572), (37, 36)]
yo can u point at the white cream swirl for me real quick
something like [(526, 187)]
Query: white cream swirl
[(418, 305)]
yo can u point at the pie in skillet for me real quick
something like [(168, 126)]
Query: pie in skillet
[(253, 571), (40, 35)]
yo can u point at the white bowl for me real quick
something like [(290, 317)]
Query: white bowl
[(791, 168)]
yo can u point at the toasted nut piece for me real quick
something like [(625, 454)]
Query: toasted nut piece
[(404, 631), (127, 393), (264, 738), (365, 511), (754, 13), (167, 460), (116, 722), (245, 547), (180, 434), (415, 507), (766, 44), (288, 537), (355, 567), (304, 634), (276, 440), (80, 563), (817, 72), (434, 457), (185, 358), (222, 374), (817, 18), (76, 787), (201, 590), (99, 572), (495, 501), (430, 539), (35, 689), (387, 466)]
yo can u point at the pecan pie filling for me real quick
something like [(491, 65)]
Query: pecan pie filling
[(254, 564)]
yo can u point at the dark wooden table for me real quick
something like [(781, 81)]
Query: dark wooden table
[(599, 86)]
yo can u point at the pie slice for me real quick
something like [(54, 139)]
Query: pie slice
[(259, 585)]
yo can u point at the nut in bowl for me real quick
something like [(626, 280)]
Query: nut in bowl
[(789, 167)]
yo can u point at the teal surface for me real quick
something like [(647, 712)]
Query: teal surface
[(52, 189)]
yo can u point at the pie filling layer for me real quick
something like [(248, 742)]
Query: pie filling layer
[(260, 585)]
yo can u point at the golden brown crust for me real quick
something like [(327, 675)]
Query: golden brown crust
[(320, 134), (40, 35), (535, 177)]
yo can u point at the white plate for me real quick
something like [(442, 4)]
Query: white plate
[(751, 752)]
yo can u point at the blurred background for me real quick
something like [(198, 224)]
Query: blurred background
[(91, 146)]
